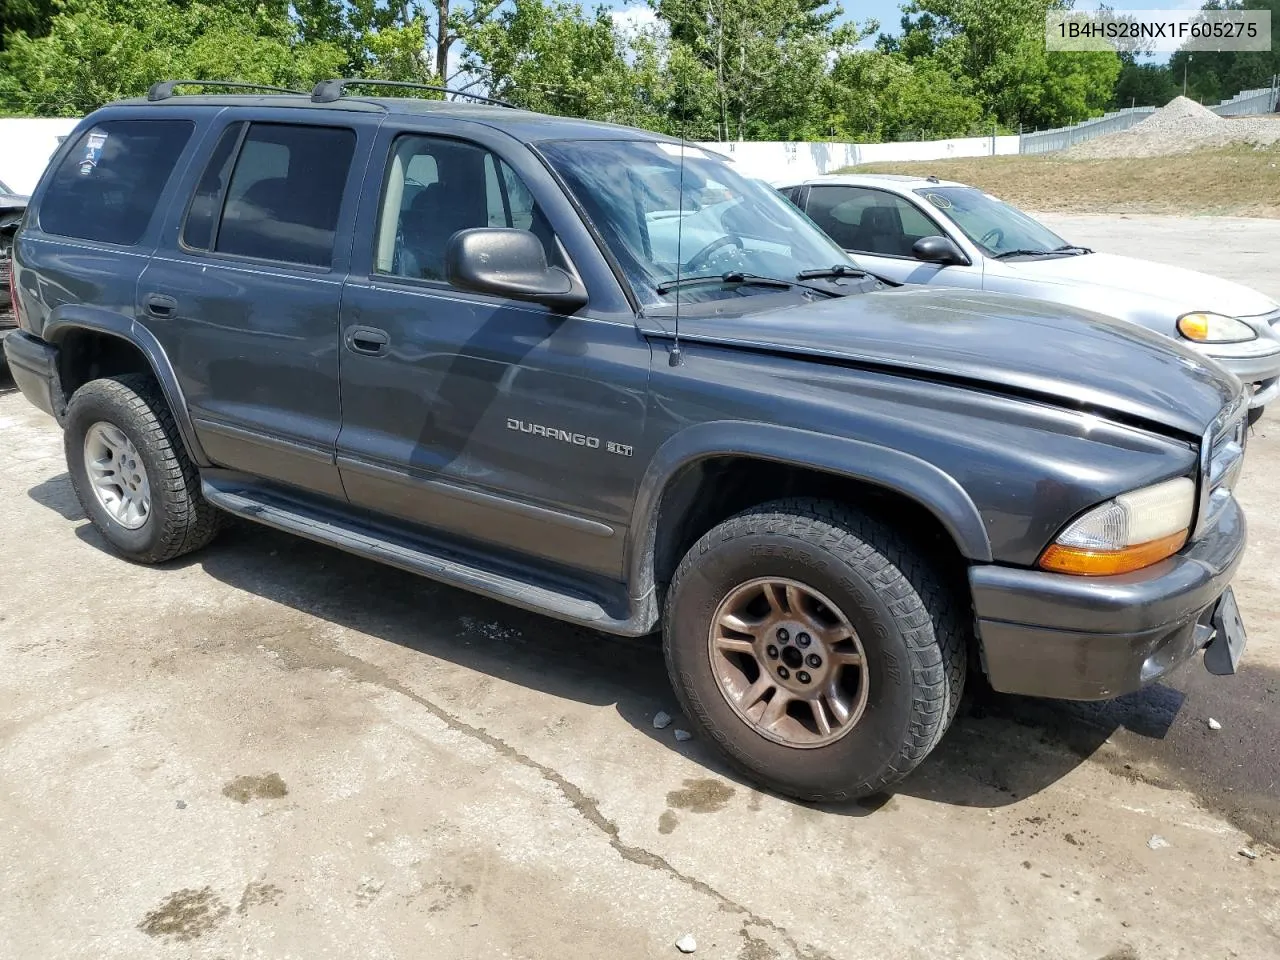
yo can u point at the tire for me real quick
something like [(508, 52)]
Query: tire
[(906, 622), (179, 519), (1255, 414)]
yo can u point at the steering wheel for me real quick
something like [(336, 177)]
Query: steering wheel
[(992, 238), (702, 257)]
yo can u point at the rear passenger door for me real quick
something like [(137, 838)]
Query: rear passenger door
[(99, 215), (878, 229), (245, 291)]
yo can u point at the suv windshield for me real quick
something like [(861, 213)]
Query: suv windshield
[(722, 223), (992, 224)]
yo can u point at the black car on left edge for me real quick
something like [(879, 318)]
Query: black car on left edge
[(12, 207)]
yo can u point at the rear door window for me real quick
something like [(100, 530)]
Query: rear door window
[(285, 193), (108, 184)]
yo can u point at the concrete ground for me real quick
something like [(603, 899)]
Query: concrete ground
[(272, 749)]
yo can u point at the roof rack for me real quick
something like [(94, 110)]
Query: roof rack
[(327, 91), (164, 89)]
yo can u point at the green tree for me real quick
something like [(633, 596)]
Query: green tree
[(413, 40), (32, 17), (768, 60), (1214, 76), (101, 50), (999, 49), (881, 96), (1144, 84), (550, 57)]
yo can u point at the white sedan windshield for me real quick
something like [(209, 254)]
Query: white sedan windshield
[(662, 219), (990, 223)]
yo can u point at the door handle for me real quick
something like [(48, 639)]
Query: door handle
[(160, 306), (367, 340)]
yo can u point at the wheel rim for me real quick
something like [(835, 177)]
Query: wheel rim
[(788, 662), (116, 475)]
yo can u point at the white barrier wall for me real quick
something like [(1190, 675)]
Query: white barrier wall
[(26, 144), (777, 161)]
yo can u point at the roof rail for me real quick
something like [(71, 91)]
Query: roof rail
[(327, 91), (164, 89)]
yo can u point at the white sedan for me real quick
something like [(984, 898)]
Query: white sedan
[(925, 230)]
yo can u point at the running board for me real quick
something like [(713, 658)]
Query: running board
[(291, 517)]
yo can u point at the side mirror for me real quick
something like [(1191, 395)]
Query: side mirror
[(510, 263), (939, 250)]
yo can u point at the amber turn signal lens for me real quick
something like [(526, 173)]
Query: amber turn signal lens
[(1105, 563), (1194, 326)]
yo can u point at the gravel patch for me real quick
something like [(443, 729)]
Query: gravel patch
[(1180, 127)]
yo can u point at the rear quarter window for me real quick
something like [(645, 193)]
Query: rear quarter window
[(107, 185)]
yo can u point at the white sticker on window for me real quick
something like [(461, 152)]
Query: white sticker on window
[(92, 152), (938, 200)]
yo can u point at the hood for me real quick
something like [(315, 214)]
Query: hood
[(1183, 290), (1074, 358), (12, 201)]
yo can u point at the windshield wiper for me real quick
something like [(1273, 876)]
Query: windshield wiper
[(739, 278), (1023, 253), (843, 270), (1071, 248), (838, 270)]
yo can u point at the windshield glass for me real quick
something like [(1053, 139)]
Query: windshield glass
[(3, 188), (990, 223), (722, 222)]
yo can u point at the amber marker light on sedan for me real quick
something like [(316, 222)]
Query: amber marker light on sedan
[(1128, 533)]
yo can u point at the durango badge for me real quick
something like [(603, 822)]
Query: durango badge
[(553, 433)]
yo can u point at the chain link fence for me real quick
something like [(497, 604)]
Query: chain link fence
[(1245, 103)]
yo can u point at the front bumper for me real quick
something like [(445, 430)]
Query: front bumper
[(1259, 374), (1092, 638), (33, 364)]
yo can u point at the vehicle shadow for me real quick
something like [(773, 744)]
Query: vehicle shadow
[(57, 494), (1000, 749)]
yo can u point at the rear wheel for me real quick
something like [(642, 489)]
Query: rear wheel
[(815, 648), (131, 472)]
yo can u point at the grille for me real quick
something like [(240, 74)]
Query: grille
[(1221, 458)]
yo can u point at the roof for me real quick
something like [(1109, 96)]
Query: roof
[(524, 125), (903, 181)]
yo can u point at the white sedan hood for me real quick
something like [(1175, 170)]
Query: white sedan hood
[(1184, 290)]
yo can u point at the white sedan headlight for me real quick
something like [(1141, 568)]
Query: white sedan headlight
[(1128, 533), (1214, 328)]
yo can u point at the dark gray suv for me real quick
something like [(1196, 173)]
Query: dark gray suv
[(599, 374)]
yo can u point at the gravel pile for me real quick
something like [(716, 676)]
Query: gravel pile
[(1180, 127)]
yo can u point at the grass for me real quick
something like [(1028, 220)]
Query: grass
[(1236, 181)]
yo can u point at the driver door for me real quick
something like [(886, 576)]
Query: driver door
[(877, 228), (488, 419)]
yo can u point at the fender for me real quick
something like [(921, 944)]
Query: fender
[(63, 319), (936, 491)]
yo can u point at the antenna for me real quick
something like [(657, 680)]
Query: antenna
[(674, 358)]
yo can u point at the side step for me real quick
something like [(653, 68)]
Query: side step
[(292, 517)]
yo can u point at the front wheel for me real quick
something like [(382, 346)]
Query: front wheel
[(131, 472), (1255, 414), (812, 644)]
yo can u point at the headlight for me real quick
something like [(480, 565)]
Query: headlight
[(1128, 533), (1214, 328)]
